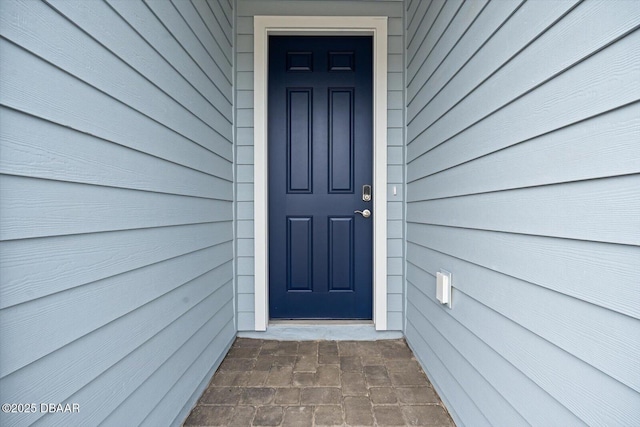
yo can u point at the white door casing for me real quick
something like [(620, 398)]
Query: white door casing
[(375, 26)]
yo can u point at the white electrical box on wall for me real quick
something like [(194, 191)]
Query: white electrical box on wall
[(443, 287)]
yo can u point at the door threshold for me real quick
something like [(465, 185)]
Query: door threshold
[(319, 322), (321, 330)]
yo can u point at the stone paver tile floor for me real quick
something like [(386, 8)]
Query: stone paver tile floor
[(319, 383)]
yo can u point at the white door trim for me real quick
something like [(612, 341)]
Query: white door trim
[(264, 26)]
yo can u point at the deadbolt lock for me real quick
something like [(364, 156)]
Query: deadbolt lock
[(366, 193)]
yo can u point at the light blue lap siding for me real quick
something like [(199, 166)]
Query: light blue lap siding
[(244, 127), (116, 179), (523, 170)]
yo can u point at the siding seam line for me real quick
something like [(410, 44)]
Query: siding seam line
[(115, 230), (100, 138), (529, 139)]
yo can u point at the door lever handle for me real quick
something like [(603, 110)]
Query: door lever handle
[(365, 213)]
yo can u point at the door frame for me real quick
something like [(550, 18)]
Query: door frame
[(264, 26)]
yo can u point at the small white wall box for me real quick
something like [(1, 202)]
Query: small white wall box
[(443, 287)]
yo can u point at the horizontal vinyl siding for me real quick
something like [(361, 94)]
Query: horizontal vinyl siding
[(395, 139), (523, 180), (116, 179)]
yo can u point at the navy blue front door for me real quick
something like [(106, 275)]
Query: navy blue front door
[(320, 157)]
